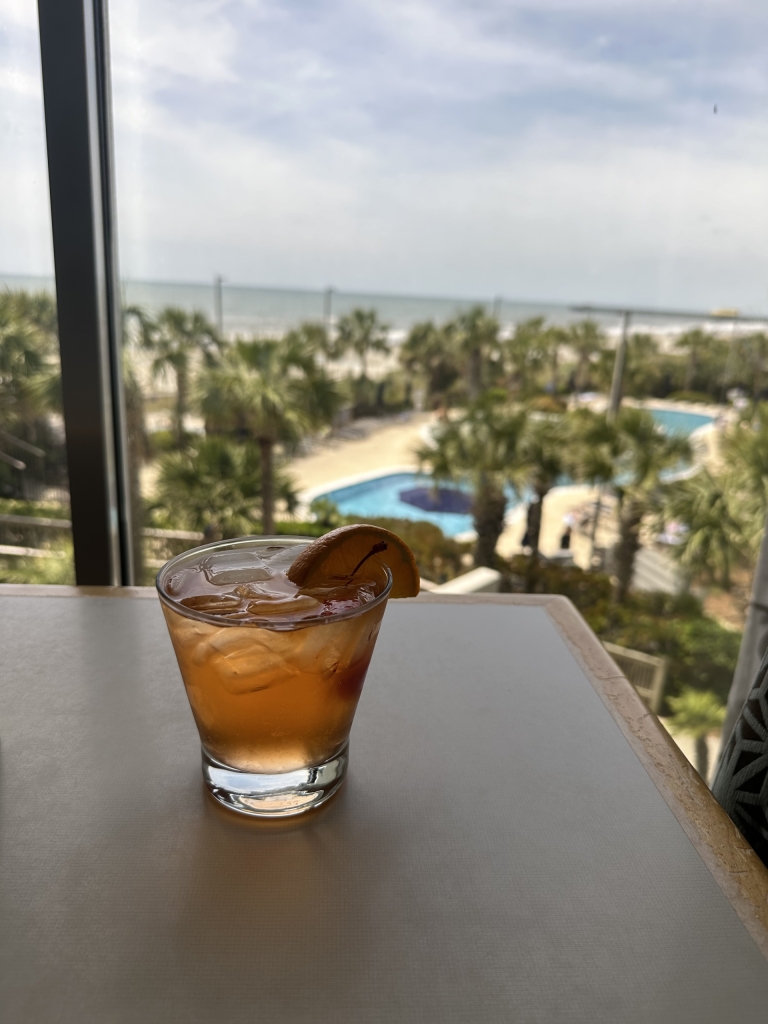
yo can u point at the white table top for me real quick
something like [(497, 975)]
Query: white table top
[(505, 848)]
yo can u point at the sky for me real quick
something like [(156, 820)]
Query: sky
[(552, 150)]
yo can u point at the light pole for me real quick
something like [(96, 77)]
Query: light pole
[(218, 303), (328, 307)]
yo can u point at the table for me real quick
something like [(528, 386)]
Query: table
[(517, 841)]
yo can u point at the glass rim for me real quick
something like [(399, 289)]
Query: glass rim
[(275, 623)]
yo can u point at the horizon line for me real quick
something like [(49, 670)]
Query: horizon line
[(604, 308)]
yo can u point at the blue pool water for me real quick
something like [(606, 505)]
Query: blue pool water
[(383, 496), (676, 422)]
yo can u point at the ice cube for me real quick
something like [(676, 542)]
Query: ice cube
[(280, 556), (226, 568), (275, 588), (268, 606), (245, 662), (214, 604)]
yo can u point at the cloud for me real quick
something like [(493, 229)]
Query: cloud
[(558, 148), (25, 226), (155, 42)]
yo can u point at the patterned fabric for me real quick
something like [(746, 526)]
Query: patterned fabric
[(741, 784)]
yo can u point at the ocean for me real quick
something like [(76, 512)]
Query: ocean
[(255, 310)]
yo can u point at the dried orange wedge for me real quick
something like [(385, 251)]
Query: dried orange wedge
[(342, 553)]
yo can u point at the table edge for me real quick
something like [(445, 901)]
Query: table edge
[(58, 590), (731, 861)]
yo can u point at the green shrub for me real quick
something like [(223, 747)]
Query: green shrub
[(58, 569), (391, 394), (161, 442), (295, 528), (439, 558), (39, 509), (702, 654), (547, 403), (589, 591)]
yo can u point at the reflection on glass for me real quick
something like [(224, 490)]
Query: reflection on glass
[(35, 534), (308, 201)]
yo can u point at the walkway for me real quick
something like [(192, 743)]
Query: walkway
[(379, 445)]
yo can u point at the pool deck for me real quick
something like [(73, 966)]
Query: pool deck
[(380, 448)]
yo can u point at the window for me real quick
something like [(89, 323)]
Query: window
[(35, 533), (434, 204)]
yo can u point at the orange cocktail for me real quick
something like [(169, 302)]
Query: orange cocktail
[(273, 668)]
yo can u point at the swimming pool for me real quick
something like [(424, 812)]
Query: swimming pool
[(383, 496), (676, 421)]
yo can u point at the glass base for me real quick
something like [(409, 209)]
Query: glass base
[(278, 795)]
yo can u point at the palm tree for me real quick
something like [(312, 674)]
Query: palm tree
[(752, 360), (644, 452), (35, 308), (430, 351), (527, 352), (554, 339), (215, 486), (272, 392), (697, 343), (642, 368), (543, 457), (174, 339), (714, 539), (311, 337), (480, 446), (362, 333), (586, 340), (29, 364), (744, 450), (698, 713), (594, 451), (30, 377), (477, 341)]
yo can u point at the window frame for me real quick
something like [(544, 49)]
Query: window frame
[(74, 50)]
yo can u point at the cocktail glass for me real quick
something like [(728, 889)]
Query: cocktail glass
[(274, 691)]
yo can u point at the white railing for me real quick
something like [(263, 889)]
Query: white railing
[(646, 672)]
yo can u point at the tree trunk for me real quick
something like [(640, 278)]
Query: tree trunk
[(702, 756), (475, 373), (553, 370), (725, 582), (630, 518), (754, 643), (489, 507), (582, 369), (266, 446), (535, 513), (595, 524), (182, 388), (691, 372)]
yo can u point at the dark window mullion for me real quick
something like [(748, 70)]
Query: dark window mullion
[(75, 68)]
